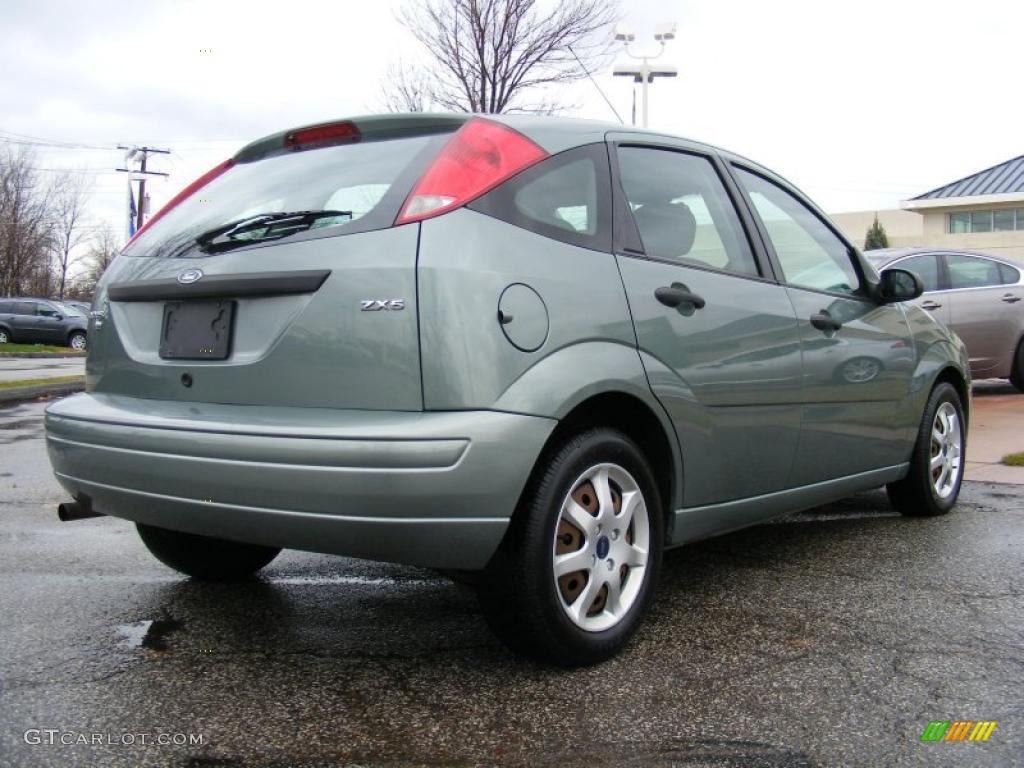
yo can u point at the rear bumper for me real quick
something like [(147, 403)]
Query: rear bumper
[(432, 489)]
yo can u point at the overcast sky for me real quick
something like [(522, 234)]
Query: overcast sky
[(861, 104)]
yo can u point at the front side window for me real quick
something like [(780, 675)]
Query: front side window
[(682, 210), (925, 266), (809, 253), (46, 310), (969, 272)]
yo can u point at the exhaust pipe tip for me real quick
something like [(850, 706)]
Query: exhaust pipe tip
[(76, 510)]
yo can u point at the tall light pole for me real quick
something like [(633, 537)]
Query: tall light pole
[(644, 73)]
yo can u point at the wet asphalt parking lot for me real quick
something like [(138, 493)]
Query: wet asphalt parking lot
[(830, 638)]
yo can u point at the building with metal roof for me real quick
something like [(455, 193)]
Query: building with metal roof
[(981, 212)]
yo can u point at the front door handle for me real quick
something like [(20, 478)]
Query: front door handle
[(823, 321), (930, 305), (1011, 299), (676, 294)]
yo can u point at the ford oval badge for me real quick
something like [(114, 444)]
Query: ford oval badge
[(190, 276)]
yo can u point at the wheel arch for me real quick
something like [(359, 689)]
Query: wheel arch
[(640, 422), (72, 332)]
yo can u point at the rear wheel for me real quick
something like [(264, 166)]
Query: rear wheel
[(577, 569), (203, 557), (1017, 372), (5, 336), (932, 485), (77, 340)]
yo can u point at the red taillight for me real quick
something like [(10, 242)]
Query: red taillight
[(480, 156), (187, 192), (319, 135)]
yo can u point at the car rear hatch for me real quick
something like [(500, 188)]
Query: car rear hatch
[(278, 278)]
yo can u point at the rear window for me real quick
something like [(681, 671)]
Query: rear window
[(365, 182)]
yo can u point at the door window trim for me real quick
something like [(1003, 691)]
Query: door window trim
[(624, 226), (863, 292)]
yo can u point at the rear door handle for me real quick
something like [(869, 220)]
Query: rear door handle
[(930, 305), (823, 321), (1011, 299), (676, 294)]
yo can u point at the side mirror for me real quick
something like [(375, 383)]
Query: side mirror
[(899, 285)]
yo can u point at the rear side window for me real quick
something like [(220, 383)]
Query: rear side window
[(682, 210), (969, 272), (566, 198), (365, 182), (1008, 274), (925, 266)]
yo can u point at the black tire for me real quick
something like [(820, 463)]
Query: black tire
[(203, 557), (1017, 372), (76, 336), (518, 593), (916, 495), (5, 336)]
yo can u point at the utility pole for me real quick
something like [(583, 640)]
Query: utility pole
[(644, 73), (144, 152)]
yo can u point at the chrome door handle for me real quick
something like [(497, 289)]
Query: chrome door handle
[(929, 305), (1011, 299)]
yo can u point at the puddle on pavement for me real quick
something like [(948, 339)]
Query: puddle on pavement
[(148, 634)]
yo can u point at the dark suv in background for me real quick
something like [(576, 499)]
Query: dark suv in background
[(42, 321)]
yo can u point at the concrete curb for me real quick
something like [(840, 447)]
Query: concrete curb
[(9, 396), (51, 355)]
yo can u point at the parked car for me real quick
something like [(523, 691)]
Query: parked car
[(981, 297), (81, 306), (30, 321), (539, 350)]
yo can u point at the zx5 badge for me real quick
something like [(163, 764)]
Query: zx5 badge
[(376, 305)]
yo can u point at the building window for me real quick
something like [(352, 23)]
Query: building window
[(959, 223), (1000, 220)]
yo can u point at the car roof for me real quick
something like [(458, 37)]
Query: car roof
[(889, 255)]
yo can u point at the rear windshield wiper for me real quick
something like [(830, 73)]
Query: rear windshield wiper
[(261, 227)]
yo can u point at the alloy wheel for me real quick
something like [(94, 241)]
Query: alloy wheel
[(600, 548), (946, 450)]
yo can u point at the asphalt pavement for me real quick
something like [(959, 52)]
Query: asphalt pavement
[(831, 638), (20, 368)]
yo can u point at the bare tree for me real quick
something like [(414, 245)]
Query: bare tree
[(487, 55), (24, 225), (103, 249), (406, 89), (70, 195)]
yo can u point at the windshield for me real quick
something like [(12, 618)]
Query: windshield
[(365, 181)]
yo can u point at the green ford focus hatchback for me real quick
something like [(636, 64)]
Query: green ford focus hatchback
[(535, 349)]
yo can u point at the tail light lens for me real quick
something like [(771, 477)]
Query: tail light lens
[(480, 156), (321, 135), (186, 193)]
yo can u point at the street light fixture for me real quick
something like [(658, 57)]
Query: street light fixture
[(644, 73)]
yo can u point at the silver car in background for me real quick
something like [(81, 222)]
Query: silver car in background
[(981, 297)]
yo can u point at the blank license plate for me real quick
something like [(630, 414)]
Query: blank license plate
[(197, 330)]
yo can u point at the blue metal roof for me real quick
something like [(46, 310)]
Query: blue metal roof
[(1000, 179)]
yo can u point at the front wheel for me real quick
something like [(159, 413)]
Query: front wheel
[(574, 575), (77, 341), (203, 557), (932, 485)]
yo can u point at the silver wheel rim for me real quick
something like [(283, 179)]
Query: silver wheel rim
[(3, 337), (78, 342), (946, 451), (601, 543)]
